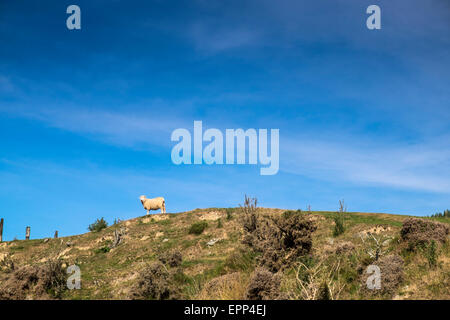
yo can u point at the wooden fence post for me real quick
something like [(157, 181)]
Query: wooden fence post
[(56, 234), (27, 233), (1, 229)]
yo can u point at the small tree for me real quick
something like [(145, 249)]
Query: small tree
[(376, 245), (98, 225), (339, 227)]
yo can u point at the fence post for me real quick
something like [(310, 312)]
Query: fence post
[(1, 229), (27, 233), (56, 234)]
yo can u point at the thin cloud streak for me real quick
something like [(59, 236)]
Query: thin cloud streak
[(413, 166), (416, 166)]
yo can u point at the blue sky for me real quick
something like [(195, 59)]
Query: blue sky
[(86, 116)]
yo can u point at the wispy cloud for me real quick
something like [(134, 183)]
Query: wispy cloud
[(132, 129), (348, 157), (215, 40), (414, 166)]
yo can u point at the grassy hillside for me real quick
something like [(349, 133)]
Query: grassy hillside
[(224, 267)]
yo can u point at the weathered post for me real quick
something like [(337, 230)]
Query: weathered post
[(27, 233), (56, 234), (1, 229)]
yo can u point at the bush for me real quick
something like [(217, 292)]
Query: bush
[(339, 227), (419, 232), (263, 285), (198, 228), (37, 282), (391, 268), (219, 223), (154, 283), (53, 278), (432, 254), (98, 225), (250, 219), (280, 240), (7, 264), (104, 249), (173, 259)]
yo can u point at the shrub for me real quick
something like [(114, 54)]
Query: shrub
[(198, 228), (7, 264), (39, 282), (154, 283), (432, 254), (52, 278), (280, 240), (419, 232), (263, 285), (104, 249), (391, 268), (339, 227), (173, 259), (317, 280), (345, 247), (98, 225), (219, 223)]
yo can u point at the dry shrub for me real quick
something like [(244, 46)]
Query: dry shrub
[(344, 247), (254, 226), (38, 282), (173, 259), (419, 232), (280, 240), (317, 281), (52, 277), (7, 264), (263, 285), (230, 286), (391, 268), (154, 283)]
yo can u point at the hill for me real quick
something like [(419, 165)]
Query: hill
[(140, 258)]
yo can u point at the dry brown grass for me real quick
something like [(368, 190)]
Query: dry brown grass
[(231, 286)]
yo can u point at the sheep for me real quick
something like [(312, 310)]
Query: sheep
[(153, 204)]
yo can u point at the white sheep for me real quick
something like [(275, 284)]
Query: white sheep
[(153, 204)]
